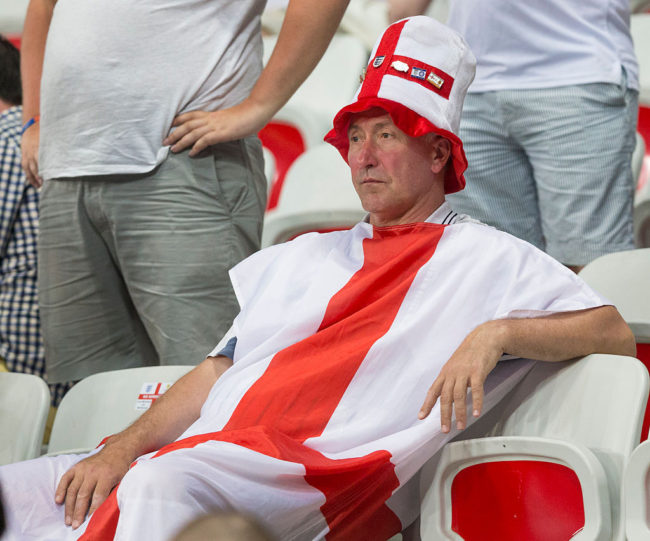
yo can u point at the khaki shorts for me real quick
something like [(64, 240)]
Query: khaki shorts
[(133, 269)]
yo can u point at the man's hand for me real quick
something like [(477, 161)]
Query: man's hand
[(470, 364), (85, 486), (556, 337), (29, 149), (200, 129)]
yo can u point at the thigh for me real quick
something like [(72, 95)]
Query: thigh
[(580, 140), (28, 499), (172, 489), (177, 233), (500, 187), (87, 320)]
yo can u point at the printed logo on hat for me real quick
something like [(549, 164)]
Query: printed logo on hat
[(378, 61)]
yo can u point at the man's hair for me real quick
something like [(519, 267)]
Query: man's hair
[(10, 90)]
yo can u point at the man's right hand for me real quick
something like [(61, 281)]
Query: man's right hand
[(29, 148), (85, 486)]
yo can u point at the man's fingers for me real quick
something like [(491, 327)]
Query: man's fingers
[(477, 396), (460, 402), (62, 487), (190, 138), (70, 500), (210, 138), (82, 502), (446, 402), (182, 130), (430, 400), (101, 492), (191, 115)]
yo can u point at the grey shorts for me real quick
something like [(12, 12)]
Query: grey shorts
[(133, 269), (552, 167)]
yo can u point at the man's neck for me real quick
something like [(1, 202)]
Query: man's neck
[(414, 215)]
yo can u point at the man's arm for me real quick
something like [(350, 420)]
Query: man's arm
[(557, 337), (400, 9), (32, 50), (307, 30), (87, 484)]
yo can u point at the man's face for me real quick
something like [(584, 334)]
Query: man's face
[(391, 171)]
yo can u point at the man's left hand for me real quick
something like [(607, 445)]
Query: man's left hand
[(467, 368), (200, 129)]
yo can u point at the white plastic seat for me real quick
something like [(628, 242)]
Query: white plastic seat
[(636, 494), (317, 195), (624, 279), (106, 403), (640, 30), (329, 87), (564, 413), (24, 406)]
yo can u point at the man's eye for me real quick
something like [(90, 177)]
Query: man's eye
[(354, 139), (386, 135)]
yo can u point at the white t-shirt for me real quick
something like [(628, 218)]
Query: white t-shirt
[(546, 43), (117, 72)]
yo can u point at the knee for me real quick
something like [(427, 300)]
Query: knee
[(154, 479)]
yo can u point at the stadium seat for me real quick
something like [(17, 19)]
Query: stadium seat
[(636, 494), (640, 30), (306, 118), (317, 196), (105, 403), (641, 172), (623, 278), (24, 406), (551, 457)]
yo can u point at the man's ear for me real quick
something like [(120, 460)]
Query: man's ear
[(440, 153)]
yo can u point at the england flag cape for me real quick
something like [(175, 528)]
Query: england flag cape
[(315, 427)]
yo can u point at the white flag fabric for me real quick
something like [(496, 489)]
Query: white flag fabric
[(315, 428)]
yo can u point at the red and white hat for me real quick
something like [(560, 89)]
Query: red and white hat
[(418, 73)]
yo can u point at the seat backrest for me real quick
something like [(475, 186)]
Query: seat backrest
[(106, 403), (317, 195), (24, 406), (636, 494), (597, 402), (623, 278), (640, 30)]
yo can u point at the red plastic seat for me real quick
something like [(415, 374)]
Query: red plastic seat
[(286, 143), (515, 500)]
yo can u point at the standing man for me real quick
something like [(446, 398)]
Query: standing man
[(136, 241), (21, 346), (549, 121)]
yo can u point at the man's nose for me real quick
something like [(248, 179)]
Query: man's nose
[(366, 156)]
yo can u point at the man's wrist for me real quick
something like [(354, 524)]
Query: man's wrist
[(29, 124)]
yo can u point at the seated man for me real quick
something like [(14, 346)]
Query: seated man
[(351, 348)]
